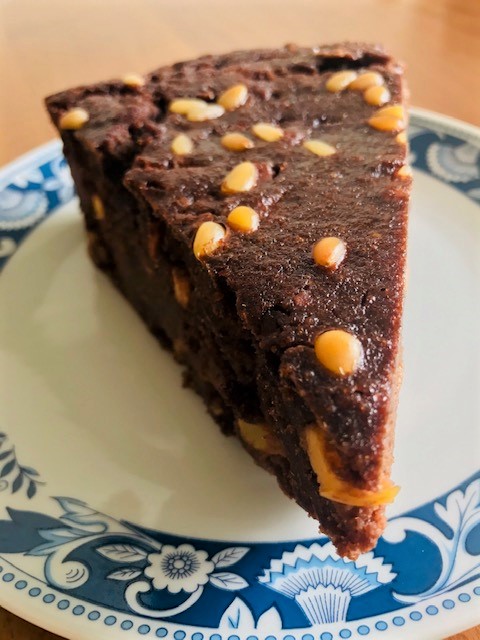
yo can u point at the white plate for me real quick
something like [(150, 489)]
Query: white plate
[(124, 513)]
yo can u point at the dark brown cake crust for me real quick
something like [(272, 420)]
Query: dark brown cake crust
[(255, 307)]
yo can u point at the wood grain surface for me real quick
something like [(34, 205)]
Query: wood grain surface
[(49, 45)]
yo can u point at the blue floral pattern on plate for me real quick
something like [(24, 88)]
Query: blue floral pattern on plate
[(122, 575)]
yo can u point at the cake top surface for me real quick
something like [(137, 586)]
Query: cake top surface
[(321, 169)]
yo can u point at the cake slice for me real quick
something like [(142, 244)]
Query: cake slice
[(252, 207)]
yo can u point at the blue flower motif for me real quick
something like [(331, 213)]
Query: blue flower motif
[(178, 569), (322, 583)]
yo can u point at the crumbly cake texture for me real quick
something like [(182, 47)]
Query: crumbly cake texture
[(252, 207)]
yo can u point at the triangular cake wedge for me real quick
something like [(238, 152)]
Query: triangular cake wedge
[(252, 207)]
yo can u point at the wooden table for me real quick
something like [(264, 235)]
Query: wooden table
[(49, 45)]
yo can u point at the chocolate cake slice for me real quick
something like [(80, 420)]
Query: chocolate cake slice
[(252, 207)]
